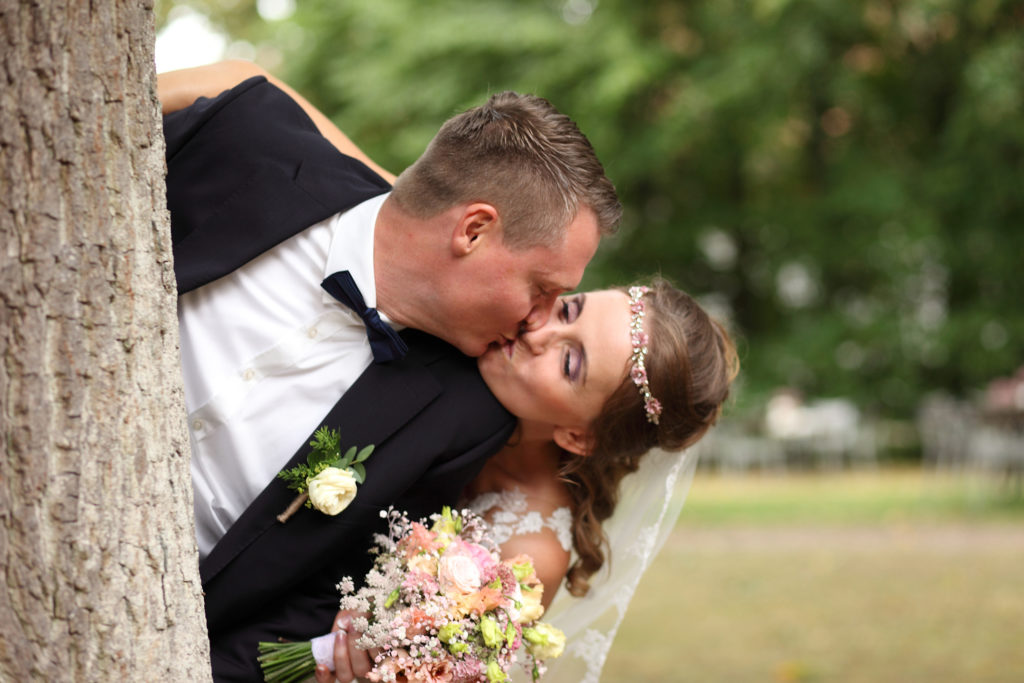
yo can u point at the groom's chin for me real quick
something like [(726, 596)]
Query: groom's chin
[(471, 347)]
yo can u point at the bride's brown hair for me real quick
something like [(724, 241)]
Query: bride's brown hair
[(691, 363)]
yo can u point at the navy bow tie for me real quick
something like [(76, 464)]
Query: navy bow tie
[(384, 341)]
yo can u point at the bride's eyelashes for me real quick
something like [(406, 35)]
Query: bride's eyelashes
[(572, 363), (565, 311), (571, 308), (573, 356)]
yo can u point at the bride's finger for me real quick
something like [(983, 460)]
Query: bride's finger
[(323, 674), (342, 664), (360, 660)]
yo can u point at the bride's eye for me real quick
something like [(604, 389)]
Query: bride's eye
[(572, 362), (570, 309)]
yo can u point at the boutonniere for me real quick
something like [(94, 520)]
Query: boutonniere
[(329, 479)]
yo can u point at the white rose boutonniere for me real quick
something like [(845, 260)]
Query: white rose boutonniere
[(332, 490), (328, 481)]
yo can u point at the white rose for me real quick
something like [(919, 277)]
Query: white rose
[(332, 490), (458, 572), (532, 609), (424, 563), (544, 640)]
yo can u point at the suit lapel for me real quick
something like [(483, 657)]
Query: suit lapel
[(383, 399)]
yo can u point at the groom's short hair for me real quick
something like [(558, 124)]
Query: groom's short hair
[(520, 154)]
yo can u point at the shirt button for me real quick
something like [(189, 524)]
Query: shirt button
[(249, 375), (311, 333), (197, 425)]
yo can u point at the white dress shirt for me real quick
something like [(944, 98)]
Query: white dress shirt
[(265, 354)]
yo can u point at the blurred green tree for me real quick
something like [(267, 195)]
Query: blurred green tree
[(841, 180)]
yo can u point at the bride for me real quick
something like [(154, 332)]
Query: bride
[(658, 369), (606, 392), (612, 376)]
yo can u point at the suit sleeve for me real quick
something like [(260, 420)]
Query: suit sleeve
[(180, 126), (246, 170), (226, 153)]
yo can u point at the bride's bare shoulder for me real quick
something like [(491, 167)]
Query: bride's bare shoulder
[(550, 559), (531, 518)]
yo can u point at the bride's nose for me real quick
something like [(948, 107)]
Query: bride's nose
[(536, 341)]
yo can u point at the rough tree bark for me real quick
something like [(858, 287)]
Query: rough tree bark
[(96, 535)]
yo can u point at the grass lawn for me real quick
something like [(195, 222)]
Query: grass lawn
[(883, 577), (883, 496)]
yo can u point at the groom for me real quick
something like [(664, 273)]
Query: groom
[(474, 242)]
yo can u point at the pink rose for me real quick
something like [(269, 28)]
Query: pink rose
[(458, 572), (483, 557)]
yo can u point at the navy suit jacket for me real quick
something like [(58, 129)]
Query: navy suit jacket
[(246, 171)]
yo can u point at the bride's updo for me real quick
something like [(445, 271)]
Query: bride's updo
[(690, 364)]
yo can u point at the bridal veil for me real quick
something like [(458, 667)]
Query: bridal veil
[(650, 502)]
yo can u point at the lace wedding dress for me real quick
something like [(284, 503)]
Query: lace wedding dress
[(651, 499)]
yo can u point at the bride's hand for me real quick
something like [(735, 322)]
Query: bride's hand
[(350, 662)]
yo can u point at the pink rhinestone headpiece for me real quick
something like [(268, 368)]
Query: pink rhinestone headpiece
[(639, 340)]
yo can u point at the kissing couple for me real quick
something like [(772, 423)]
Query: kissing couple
[(430, 315)]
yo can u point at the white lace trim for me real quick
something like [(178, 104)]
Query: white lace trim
[(593, 649), (512, 516)]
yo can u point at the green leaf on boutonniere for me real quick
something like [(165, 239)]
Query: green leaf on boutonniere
[(326, 451), (363, 454)]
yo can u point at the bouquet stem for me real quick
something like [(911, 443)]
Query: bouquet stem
[(290, 662)]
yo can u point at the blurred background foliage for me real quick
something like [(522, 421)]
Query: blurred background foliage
[(840, 179)]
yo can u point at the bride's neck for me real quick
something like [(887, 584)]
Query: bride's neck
[(530, 453)]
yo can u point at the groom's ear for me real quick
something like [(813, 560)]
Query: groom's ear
[(476, 223), (578, 441)]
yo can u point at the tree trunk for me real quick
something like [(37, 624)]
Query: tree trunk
[(96, 534)]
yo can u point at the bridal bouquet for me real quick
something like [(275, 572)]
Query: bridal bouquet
[(440, 605)]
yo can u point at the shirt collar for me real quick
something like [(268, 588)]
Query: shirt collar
[(352, 249)]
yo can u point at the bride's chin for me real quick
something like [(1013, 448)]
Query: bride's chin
[(493, 350), (485, 365), (496, 351)]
